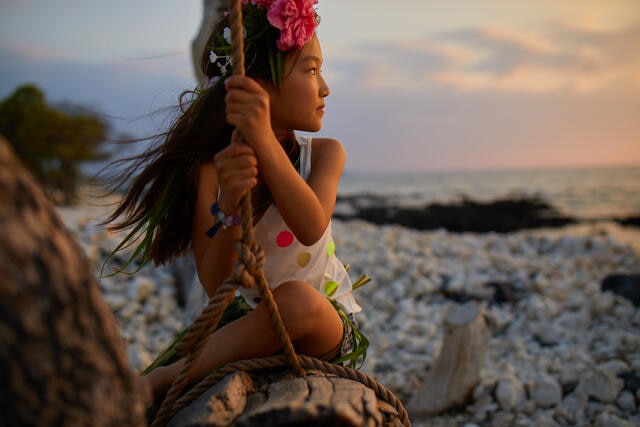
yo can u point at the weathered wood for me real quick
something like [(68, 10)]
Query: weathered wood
[(316, 400), (224, 402), (212, 12), (456, 370), (62, 360)]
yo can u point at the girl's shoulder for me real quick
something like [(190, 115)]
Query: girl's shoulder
[(327, 151), (327, 146)]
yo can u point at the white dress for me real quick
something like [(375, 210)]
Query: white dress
[(288, 259)]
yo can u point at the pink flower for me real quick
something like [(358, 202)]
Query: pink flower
[(265, 4), (296, 20)]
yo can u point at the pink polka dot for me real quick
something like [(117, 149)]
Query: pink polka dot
[(284, 239)]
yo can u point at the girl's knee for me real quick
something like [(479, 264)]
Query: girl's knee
[(297, 294), (310, 318), (299, 299)]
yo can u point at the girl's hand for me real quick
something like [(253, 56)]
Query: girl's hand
[(248, 109), (237, 167)]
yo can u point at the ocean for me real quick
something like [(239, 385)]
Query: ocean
[(583, 193)]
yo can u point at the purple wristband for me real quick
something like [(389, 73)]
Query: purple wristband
[(222, 220)]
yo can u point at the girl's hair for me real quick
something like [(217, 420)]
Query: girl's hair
[(160, 201)]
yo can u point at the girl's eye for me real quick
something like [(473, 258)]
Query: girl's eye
[(313, 71)]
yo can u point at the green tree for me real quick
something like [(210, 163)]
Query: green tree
[(50, 142)]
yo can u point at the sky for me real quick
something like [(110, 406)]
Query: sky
[(415, 84)]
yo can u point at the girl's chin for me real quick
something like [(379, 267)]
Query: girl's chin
[(312, 127)]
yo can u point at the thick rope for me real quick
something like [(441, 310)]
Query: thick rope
[(247, 271), (237, 62), (250, 262)]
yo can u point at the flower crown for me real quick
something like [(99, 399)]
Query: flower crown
[(295, 22)]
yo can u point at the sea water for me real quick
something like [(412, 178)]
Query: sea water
[(585, 193)]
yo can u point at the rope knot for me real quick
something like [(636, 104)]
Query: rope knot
[(249, 265)]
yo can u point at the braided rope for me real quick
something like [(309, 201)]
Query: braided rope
[(250, 262), (237, 61), (247, 271)]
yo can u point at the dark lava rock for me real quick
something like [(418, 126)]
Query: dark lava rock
[(626, 285), (630, 221), (467, 215)]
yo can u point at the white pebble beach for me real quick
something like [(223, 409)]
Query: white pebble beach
[(557, 352)]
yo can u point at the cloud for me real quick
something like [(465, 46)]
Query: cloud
[(560, 60), (123, 90)]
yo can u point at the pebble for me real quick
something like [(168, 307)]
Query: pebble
[(557, 350), (545, 391), (509, 392)]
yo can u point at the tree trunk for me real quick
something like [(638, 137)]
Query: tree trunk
[(62, 360), (456, 371)]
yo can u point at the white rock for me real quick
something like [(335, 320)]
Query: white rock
[(603, 386), (547, 333), (603, 305), (509, 392), (611, 420), (572, 409), (115, 301), (142, 288), (139, 357), (616, 366), (128, 311), (627, 402), (545, 390), (544, 419)]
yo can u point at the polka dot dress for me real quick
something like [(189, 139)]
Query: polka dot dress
[(287, 259)]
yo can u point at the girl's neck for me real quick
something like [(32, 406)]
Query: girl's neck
[(283, 135)]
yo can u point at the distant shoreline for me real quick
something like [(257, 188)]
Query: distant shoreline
[(503, 215), (500, 215)]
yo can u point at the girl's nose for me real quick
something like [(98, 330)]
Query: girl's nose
[(324, 88)]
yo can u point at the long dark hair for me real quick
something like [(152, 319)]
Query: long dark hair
[(162, 182)]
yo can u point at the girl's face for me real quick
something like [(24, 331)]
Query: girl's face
[(298, 104)]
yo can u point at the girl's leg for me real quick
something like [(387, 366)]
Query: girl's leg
[(310, 319)]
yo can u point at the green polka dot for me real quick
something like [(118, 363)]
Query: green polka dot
[(331, 248), (303, 259), (330, 287)]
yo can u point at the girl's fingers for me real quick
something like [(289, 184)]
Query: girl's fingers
[(242, 82), (247, 106), (237, 168), (237, 150), (231, 192)]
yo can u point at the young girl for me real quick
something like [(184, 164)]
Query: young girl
[(189, 192)]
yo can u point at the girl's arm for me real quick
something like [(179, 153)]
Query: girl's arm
[(230, 175), (306, 207)]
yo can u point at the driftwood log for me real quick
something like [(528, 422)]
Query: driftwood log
[(269, 399), (456, 370), (62, 361)]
